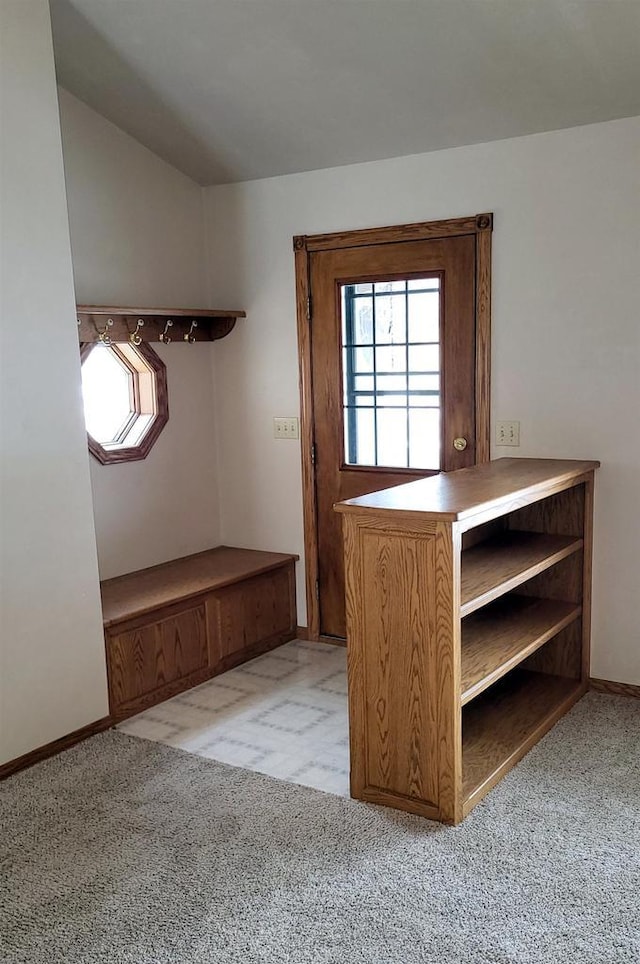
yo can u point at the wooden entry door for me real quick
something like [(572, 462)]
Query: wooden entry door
[(390, 355)]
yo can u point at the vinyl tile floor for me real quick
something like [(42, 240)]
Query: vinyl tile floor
[(283, 714)]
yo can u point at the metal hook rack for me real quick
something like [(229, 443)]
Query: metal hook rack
[(189, 335), (134, 337), (109, 325), (104, 335)]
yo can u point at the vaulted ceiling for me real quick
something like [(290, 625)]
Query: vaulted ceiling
[(228, 90)]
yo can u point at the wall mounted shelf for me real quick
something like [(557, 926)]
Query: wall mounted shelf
[(209, 324)]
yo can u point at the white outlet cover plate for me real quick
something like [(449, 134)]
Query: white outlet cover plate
[(508, 433)]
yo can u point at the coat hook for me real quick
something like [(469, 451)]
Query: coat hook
[(104, 336), (164, 336), (134, 337), (189, 336)]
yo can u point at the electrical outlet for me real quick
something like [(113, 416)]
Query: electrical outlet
[(285, 427), (507, 433)]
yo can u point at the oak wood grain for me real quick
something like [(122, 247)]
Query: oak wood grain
[(483, 345), (417, 231), (122, 711), (561, 581), (484, 533), (108, 310), (562, 513), (356, 657), (302, 632), (498, 637), (403, 660), (211, 324), (454, 260), (180, 685), (562, 655), (587, 575), (143, 591), (146, 659), (307, 442), (490, 570), (386, 798), (399, 650), (502, 725), (447, 670), (173, 626), (254, 609), (615, 689), (517, 663), (470, 366), (475, 494), (568, 512)]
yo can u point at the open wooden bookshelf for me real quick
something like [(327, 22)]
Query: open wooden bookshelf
[(468, 615), (503, 724), (492, 569), (502, 635)]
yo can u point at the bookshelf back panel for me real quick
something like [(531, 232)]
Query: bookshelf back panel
[(561, 514), (562, 581), (561, 656)]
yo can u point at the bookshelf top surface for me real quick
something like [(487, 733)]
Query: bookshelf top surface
[(455, 496)]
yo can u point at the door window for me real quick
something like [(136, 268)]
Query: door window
[(391, 372)]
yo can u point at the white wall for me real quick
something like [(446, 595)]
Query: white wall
[(566, 353), (52, 675), (137, 239)]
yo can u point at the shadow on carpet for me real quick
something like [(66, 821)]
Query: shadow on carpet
[(122, 851)]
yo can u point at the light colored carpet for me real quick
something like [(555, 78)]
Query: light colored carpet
[(129, 852)]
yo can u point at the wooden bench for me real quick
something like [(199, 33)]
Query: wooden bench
[(173, 626)]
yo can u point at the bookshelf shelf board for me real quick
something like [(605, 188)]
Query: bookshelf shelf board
[(491, 569), (502, 725), (496, 639)]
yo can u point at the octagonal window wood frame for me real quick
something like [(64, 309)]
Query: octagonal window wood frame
[(149, 397)]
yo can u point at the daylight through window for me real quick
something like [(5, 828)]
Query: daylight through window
[(125, 400), (391, 373)]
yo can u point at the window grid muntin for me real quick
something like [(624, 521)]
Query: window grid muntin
[(120, 438), (109, 351), (349, 297)]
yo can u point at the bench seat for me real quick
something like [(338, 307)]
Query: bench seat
[(172, 626)]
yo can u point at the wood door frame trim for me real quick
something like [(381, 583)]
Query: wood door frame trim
[(479, 225), (418, 231)]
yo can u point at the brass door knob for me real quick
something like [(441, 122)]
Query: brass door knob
[(459, 444)]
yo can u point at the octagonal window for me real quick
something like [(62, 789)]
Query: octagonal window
[(124, 388)]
